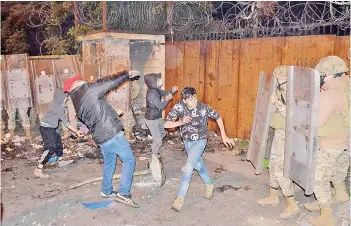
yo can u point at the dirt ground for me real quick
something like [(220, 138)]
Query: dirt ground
[(30, 201)]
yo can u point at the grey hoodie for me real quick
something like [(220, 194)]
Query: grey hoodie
[(56, 111), (154, 105)]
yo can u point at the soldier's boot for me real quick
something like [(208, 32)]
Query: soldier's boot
[(12, 134), (209, 190), (178, 203), (312, 206), (340, 193), (271, 199), (28, 134), (291, 208), (325, 219)]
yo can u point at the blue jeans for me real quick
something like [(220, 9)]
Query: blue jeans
[(118, 145), (194, 150)]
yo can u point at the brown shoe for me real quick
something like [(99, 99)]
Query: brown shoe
[(209, 190), (39, 173), (177, 204)]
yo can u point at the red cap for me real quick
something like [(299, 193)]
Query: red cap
[(67, 84)]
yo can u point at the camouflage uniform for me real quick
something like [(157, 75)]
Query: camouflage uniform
[(332, 163), (276, 163), (22, 105), (338, 159)]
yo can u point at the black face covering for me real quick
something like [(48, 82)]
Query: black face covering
[(322, 82), (338, 74)]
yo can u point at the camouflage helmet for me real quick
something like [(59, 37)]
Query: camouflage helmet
[(332, 65), (280, 72)]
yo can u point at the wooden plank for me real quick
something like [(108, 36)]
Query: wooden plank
[(124, 36), (307, 51), (342, 48), (224, 93), (191, 65), (171, 66), (232, 121), (180, 68), (249, 72), (233, 92), (260, 126), (202, 68), (211, 80)]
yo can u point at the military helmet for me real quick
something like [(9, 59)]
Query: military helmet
[(332, 65), (280, 72)]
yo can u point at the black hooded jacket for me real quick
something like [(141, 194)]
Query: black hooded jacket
[(154, 105), (94, 110)]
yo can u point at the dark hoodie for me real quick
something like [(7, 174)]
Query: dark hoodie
[(56, 111), (154, 105)]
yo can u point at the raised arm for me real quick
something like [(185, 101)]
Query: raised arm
[(104, 85)]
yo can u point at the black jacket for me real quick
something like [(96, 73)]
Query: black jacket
[(94, 110), (154, 105)]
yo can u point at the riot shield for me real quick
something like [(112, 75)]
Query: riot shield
[(301, 126), (260, 126), (17, 81), (45, 88), (65, 68)]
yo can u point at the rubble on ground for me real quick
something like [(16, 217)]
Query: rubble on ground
[(140, 140)]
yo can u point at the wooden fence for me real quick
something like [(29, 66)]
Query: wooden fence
[(225, 73)]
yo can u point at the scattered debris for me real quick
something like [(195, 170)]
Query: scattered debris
[(142, 158), (49, 193), (18, 139), (37, 146), (8, 169), (9, 149), (220, 169), (64, 163), (66, 151), (227, 187), (240, 147)]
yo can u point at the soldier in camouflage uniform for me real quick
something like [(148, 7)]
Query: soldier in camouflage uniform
[(22, 102), (22, 105), (276, 163), (333, 137)]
